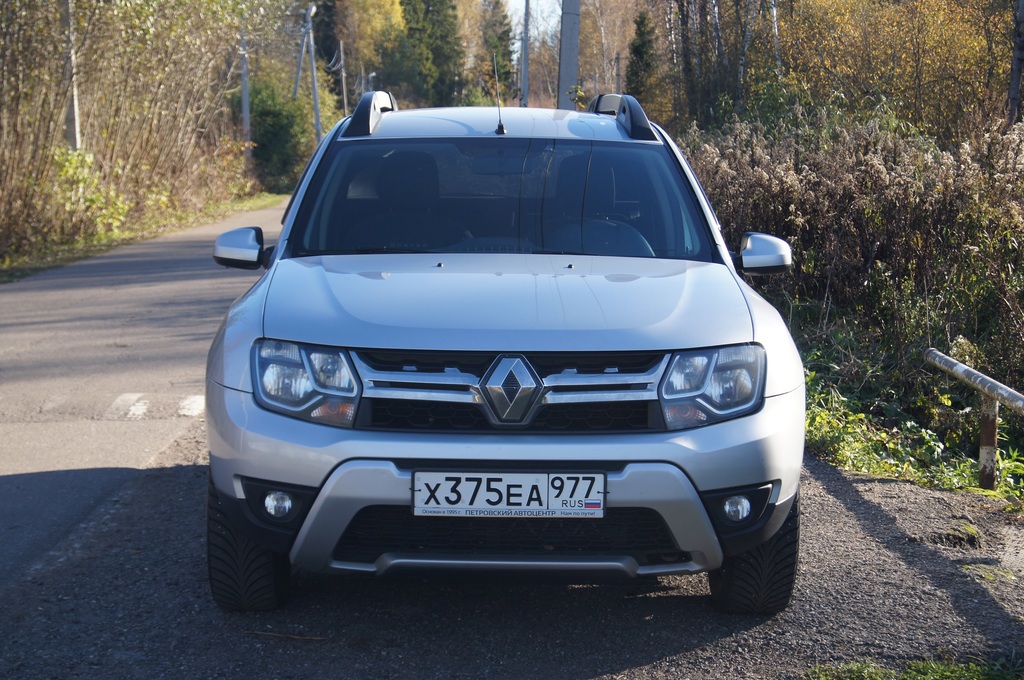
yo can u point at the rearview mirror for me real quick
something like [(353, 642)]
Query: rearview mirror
[(761, 254), (240, 248)]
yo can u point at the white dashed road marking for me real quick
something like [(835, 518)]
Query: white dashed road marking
[(138, 410), (139, 406), (121, 406), (190, 407)]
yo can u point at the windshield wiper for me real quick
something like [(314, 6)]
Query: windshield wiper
[(558, 252), (378, 251)]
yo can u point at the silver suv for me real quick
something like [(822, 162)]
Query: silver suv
[(503, 340)]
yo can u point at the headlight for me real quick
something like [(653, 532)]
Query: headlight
[(310, 382), (708, 386)]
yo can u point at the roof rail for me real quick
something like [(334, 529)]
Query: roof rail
[(371, 106), (627, 111)]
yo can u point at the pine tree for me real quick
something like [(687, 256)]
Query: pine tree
[(642, 72), (415, 63), (446, 52), (496, 47), (427, 62)]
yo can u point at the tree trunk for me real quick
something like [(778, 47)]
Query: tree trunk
[(748, 34), (1017, 68), (690, 49), (716, 31), (674, 76), (774, 6)]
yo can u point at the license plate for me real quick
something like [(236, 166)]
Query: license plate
[(508, 494)]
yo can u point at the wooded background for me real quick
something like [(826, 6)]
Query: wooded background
[(881, 138)]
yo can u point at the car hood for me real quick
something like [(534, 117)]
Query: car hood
[(508, 302)]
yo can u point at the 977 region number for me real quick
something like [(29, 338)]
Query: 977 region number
[(516, 494)]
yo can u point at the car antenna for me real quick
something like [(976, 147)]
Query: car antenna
[(497, 92)]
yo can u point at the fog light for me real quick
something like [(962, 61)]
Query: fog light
[(737, 508), (278, 504)]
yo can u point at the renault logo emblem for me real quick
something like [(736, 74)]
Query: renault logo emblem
[(511, 388)]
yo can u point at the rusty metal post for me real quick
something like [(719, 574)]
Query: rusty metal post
[(994, 393), (988, 446)]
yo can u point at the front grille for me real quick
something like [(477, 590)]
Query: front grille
[(571, 393), (409, 414), (621, 416), (549, 363), (434, 416), (639, 533), (396, 361)]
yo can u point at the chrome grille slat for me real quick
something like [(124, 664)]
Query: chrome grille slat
[(448, 396), (451, 385), (597, 397), (571, 378), (561, 383)]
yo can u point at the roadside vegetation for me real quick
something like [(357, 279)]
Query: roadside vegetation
[(882, 140), (19, 267), (922, 249)]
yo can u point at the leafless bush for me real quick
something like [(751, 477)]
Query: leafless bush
[(33, 98), (154, 78), (921, 243)]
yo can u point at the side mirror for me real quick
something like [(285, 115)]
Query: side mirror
[(240, 248), (761, 254)]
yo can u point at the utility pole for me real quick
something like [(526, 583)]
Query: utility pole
[(569, 54), (344, 84), (246, 123), (72, 124), (524, 82), (298, 68), (312, 71), (307, 42)]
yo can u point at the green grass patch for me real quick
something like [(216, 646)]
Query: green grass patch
[(921, 670), (844, 431), (61, 254), (859, 419), (989, 572)]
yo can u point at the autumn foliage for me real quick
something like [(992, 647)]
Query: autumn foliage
[(872, 135)]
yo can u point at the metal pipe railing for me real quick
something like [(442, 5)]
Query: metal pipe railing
[(994, 393)]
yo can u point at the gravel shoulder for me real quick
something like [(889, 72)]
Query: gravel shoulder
[(890, 572)]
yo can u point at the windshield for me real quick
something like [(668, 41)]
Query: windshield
[(500, 195)]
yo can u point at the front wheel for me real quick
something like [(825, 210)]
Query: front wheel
[(761, 580), (244, 576)]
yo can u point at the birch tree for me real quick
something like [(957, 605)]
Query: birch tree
[(1017, 67), (750, 11)]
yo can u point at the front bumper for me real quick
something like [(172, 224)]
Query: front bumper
[(358, 484), (348, 471)]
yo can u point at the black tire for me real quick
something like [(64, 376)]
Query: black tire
[(244, 576), (761, 580)]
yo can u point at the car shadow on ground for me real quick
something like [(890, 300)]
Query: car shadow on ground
[(526, 627), (128, 596), (970, 600), (498, 626)]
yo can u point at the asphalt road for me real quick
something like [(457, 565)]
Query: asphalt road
[(102, 535), (101, 368)]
